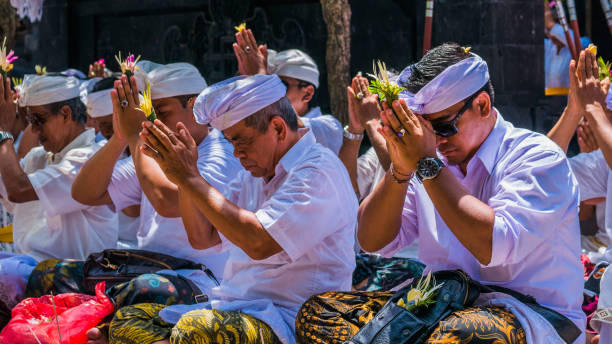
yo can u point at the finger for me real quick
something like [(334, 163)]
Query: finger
[(185, 136), (588, 64), (581, 74), (572, 73), (147, 136), (393, 121), (120, 92), (151, 153), (134, 87), (240, 57), (128, 90), (8, 94), (164, 129), (160, 135), (355, 83), (364, 86), (240, 40), (389, 134), (407, 118), (2, 88), (251, 39)]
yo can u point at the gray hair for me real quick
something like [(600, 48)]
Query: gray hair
[(281, 108), (79, 111)]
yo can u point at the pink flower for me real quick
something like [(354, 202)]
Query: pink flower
[(11, 57), (100, 61)]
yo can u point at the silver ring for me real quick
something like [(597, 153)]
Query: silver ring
[(401, 133), (247, 49), (124, 103), (359, 95)]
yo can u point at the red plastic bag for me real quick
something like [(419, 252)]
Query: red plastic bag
[(33, 320)]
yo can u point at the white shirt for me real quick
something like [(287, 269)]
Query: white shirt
[(369, 173), (595, 181), (326, 129), (156, 233), (528, 182), (556, 66), (310, 209), (57, 226)]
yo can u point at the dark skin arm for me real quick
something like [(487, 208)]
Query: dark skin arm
[(160, 191), (18, 186), (176, 153)]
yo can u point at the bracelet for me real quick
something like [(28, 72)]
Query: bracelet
[(393, 173), (351, 136)]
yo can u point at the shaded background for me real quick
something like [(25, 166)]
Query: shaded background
[(508, 34)]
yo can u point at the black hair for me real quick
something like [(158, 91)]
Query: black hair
[(281, 108), (104, 84), (435, 62), (184, 99), (79, 111)]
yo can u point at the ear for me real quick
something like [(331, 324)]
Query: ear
[(191, 102), (308, 93), (280, 127), (483, 104), (66, 111)]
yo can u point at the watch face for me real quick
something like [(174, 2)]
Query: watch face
[(428, 168)]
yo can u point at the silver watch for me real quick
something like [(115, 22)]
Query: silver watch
[(429, 168), (351, 136), (5, 135)]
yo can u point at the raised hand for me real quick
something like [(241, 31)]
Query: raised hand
[(125, 108), (588, 89), (409, 137), (586, 138), (97, 69), (176, 153), (252, 58), (8, 108)]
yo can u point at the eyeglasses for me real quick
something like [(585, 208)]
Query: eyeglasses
[(300, 84), (35, 120), (449, 128)]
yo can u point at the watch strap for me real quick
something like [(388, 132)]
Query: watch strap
[(351, 136), (5, 135)]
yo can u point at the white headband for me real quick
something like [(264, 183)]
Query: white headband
[(175, 79), (230, 101), (99, 103), (43, 89), (454, 84)]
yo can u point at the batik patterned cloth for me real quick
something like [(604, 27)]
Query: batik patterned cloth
[(337, 317), (142, 324)]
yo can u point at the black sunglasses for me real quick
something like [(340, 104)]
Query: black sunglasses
[(449, 128)]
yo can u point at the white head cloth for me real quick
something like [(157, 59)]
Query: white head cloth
[(99, 103), (295, 64), (141, 74), (43, 89), (175, 79), (228, 102), (453, 85)]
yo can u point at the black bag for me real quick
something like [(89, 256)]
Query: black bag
[(395, 324), (118, 266)]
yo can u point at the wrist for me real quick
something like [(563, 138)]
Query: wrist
[(353, 129)]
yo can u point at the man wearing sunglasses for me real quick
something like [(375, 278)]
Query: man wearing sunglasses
[(48, 222), (498, 202)]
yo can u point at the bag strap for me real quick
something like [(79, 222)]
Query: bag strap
[(566, 328)]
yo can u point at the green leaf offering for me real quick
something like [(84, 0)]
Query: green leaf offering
[(387, 90)]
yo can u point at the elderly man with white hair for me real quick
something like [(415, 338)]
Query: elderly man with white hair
[(288, 223), (300, 74), (497, 202), (48, 222)]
